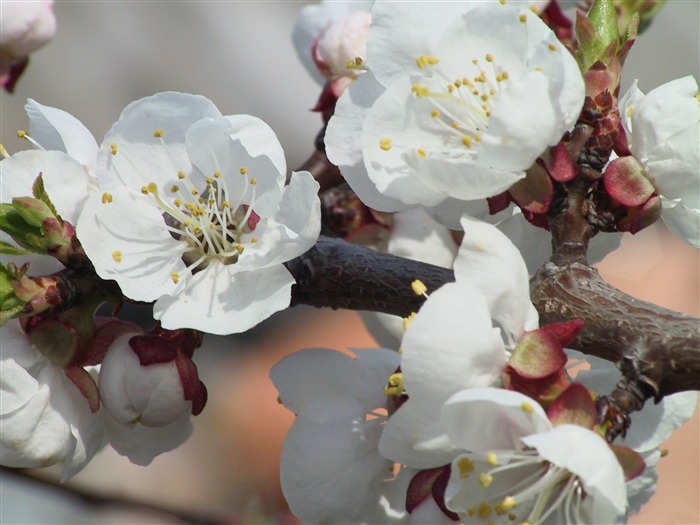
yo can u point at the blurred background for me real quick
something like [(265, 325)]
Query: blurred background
[(239, 54)]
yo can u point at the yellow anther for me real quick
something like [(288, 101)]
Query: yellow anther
[(664, 452), (174, 188), (435, 113), (426, 60), (225, 204), (522, 18), (385, 143), (181, 175), (484, 97), (253, 240), (158, 133), (467, 141), (552, 47), (458, 83), (509, 502), (408, 320), (253, 181), (144, 190), (106, 198), (505, 75), (239, 247), (113, 148), (455, 125), (421, 153), (21, 133), (194, 192), (450, 88), (477, 138), (489, 57), (152, 187), (117, 256), (485, 479), (492, 458), (538, 69), (475, 61), (358, 61), (197, 230), (395, 387), (492, 92), (485, 510), (465, 466), (499, 77), (217, 174), (481, 78), (177, 202), (535, 9), (210, 180), (419, 287), (244, 170), (527, 408), (502, 2), (175, 277)]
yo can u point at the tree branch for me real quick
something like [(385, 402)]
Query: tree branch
[(661, 347)]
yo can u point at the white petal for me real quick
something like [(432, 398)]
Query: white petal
[(331, 471), (416, 236), (490, 261), (16, 385), (212, 148), (130, 224), (401, 32), (484, 419), (587, 455), (313, 377), (142, 444), (683, 221), (55, 129), (217, 300), (343, 141), (141, 157)]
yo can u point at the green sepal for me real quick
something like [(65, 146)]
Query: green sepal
[(10, 304), (11, 249), (12, 222), (39, 192)]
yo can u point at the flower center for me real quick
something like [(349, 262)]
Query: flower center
[(525, 490), (214, 225), (458, 109)]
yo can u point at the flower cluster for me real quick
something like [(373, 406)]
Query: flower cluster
[(179, 205), (481, 417)]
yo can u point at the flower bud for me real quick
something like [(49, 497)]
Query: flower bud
[(337, 48), (152, 395), (25, 27)]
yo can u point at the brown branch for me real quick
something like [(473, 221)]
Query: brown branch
[(661, 345)]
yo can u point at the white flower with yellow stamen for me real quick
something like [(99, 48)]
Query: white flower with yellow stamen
[(193, 214), (450, 108), (514, 466)]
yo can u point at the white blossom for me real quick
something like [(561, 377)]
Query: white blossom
[(194, 214), (44, 418), (449, 109), (515, 466), (663, 132)]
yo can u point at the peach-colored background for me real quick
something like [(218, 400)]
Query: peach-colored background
[(108, 54)]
